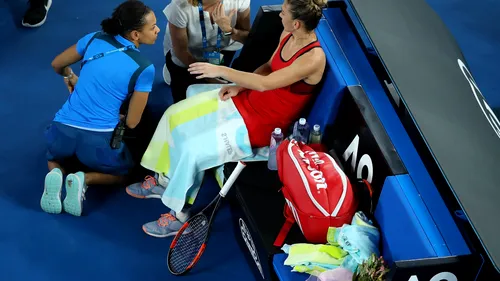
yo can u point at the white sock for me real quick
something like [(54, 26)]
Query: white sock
[(183, 215), (163, 180)]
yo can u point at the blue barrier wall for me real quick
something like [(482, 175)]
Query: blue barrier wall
[(404, 220), (442, 230)]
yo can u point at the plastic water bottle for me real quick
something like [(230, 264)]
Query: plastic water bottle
[(315, 136), (301, 130), (276, 139)]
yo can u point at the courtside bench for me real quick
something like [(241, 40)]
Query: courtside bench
[(420, 236)]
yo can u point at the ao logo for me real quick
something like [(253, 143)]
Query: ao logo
[(251, 246), (364, 162), (490, 116), (443, 276)]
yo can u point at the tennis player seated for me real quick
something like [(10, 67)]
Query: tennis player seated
[(227, 124)]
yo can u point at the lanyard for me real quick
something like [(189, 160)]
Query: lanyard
[(203, 30), (100, 55)]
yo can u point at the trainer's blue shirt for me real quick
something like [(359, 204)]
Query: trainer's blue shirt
[(103, 85)]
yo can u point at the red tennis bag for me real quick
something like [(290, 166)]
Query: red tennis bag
[(317, 192)]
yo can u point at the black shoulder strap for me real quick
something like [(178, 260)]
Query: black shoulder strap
[(141, 61), (90, 41)]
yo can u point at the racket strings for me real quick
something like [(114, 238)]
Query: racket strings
[(189, 244)]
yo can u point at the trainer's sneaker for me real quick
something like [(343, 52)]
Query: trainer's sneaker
[(75, 193), (51, 197), (36, 14), (149, 188), (167, 225)]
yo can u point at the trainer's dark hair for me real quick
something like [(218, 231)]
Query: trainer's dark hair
[(130, 15), (307, 11)]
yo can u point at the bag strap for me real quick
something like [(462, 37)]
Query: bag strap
[(90, 41), (365, 196), (285, 229), (140, 60)]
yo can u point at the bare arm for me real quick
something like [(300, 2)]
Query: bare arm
[(136, 107), (302, 68), (242, 28), (62, 62), (179, 39), (265, 69), (231, 91), (139, 98)]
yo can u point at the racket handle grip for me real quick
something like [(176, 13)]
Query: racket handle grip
[(232, 178)]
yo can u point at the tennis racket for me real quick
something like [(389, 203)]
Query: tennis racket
[(191, 240)]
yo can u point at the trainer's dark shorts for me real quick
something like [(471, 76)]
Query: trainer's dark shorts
[(91, 148)]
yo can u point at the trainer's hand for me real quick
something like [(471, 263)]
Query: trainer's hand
[(71, 83), (221, 19), (228, 92), (205, 70)]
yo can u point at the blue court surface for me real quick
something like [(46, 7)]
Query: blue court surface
[(108, 242)]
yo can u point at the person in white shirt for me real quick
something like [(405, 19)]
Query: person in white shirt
[(228, 20)]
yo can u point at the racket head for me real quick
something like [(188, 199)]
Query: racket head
[(190, 241)]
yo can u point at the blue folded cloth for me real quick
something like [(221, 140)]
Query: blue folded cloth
[(360, 239)]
